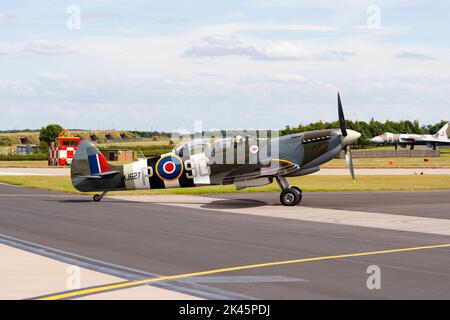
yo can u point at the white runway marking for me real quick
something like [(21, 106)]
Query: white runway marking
[(343, 217)]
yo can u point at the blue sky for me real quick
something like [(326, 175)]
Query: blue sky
[(153, 65)]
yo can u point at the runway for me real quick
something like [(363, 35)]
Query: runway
[(332, 240)]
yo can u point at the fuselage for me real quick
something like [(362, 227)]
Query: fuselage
[(388, 138), (244, 161)]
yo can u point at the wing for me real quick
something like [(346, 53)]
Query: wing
[(276, 167)]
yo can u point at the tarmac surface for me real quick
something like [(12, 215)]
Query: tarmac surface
[(253, 247)]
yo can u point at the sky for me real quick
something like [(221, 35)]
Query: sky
[(257, 64)]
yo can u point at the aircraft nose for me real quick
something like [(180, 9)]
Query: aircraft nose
[(377, 139), (352, 137)]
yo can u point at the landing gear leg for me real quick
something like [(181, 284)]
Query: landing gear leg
[(290, 196), (99, 197)]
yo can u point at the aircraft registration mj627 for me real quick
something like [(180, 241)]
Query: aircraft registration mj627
[(205, 162)]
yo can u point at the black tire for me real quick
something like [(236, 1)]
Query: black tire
[(298, 189), (299, 193), (290, 197), (97, 198)]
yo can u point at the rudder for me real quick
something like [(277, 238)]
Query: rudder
[(88, 161), (444, 132)]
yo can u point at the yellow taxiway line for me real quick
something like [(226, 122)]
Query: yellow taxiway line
[(129, 284)]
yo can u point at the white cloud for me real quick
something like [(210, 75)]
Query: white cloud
[(413, 55), (106, 15), (292, 51), (221, 46), (329, 4), (284, 50), (170, 20), (17, 88), (230, 28), (7, 16), (46, 47), (52, 76), (289, 78), (235, 15)]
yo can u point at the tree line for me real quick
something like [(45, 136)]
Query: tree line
[(368, 130)]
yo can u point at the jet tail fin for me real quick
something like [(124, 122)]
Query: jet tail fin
[(444, 132)]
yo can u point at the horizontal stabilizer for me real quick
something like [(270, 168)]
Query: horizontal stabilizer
[(101, 175)]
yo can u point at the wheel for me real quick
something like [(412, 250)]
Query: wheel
[(97, 198), (299, 193), (298, 189), (290, 197)]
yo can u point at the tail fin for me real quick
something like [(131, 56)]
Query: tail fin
[(91, 172), (88, 161), (444, 133)]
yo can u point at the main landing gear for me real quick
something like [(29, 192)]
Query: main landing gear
[(99, 197), (290, 196)]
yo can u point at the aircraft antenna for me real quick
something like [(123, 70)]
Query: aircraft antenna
[(140, 151)]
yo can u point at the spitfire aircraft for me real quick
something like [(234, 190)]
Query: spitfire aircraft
[(191, 165), (442, 137)]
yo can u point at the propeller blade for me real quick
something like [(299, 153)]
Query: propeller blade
[(341, 117), (348, 158)]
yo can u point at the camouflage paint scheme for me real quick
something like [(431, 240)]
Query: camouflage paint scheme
[(245, 161), (442, 137), (299, 154)]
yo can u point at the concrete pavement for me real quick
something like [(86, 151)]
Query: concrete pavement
[(157, 239)]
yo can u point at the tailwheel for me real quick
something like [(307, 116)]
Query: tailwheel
[(290, 197), (99, 197)]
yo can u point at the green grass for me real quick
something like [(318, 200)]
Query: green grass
[(38, 164), (307, 183), (24, 164)]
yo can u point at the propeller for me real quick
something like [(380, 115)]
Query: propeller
[(348, 158), (341, 117), (347, 148)]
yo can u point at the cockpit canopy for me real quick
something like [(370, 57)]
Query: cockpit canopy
[(207, 146)]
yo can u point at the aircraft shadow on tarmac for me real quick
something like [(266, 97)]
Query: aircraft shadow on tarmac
[(234, 204), (91, 201), (217, 204)]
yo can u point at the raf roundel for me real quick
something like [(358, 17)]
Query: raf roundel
[(169, 167), (254, 149)]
